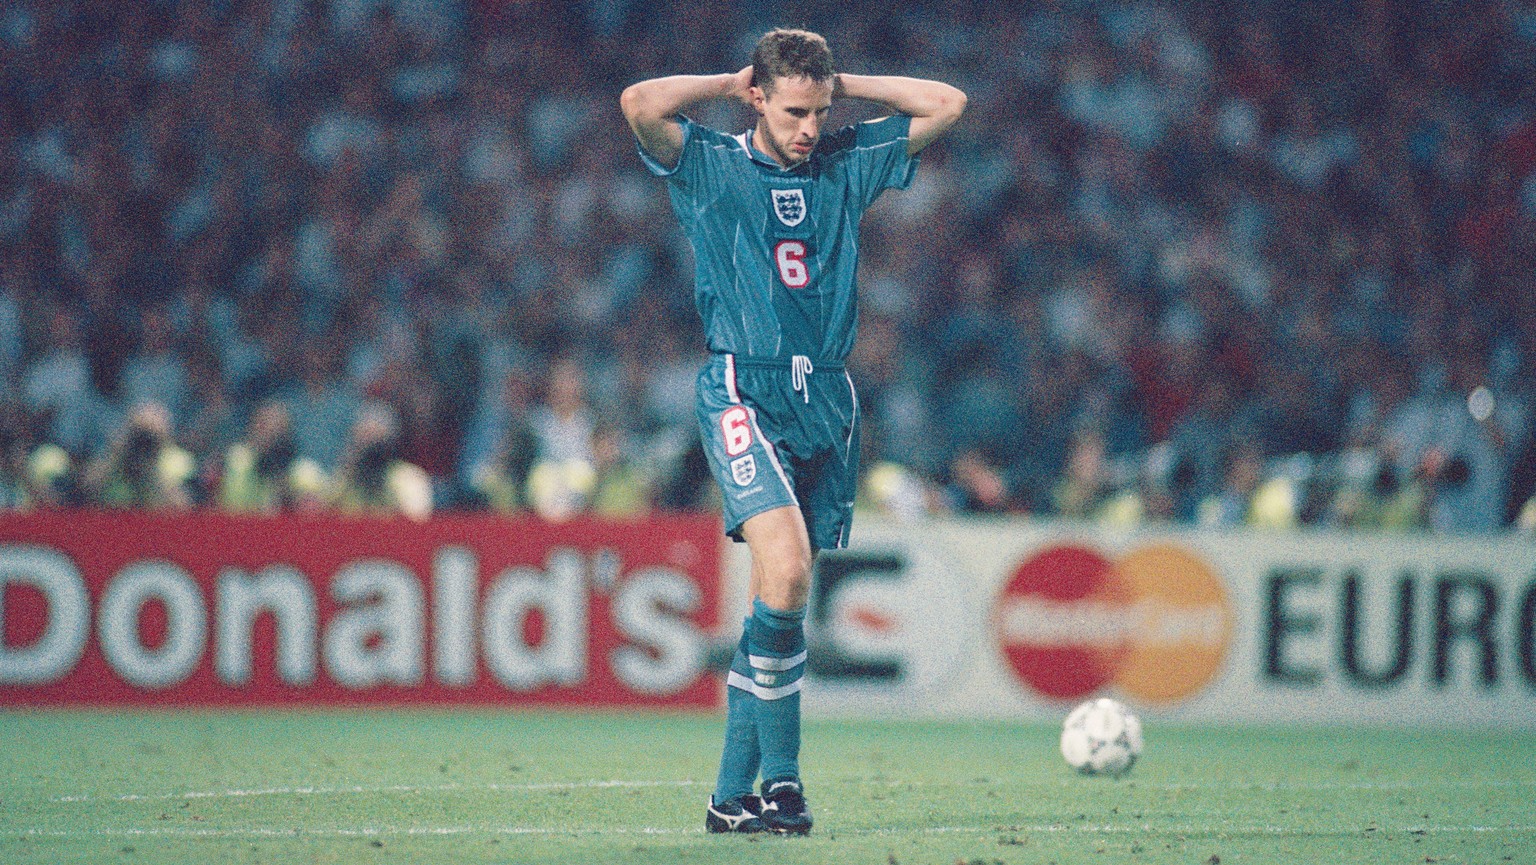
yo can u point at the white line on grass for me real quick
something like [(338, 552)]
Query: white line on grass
[(396, 788), (1271, 786), (387, 831), (1338, 785)]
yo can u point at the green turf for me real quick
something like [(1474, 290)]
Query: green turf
[(423, 787)]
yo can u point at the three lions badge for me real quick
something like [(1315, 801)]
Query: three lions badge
[(744, 470), (789, 206)]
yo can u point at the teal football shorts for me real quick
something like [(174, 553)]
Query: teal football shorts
[(782, 432)]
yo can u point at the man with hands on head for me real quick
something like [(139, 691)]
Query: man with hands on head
[(773, 216)]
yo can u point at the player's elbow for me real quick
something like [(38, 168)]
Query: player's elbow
[(638, 105), (631, 101), (952, 101), (947, 106)]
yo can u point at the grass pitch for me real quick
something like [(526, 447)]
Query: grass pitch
[(519, 787)]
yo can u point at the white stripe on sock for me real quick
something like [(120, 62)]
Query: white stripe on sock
[(776, 665), (737, 680)]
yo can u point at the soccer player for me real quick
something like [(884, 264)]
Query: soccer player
[(773, 217)]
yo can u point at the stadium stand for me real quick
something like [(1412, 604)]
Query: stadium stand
[(1264, 263)]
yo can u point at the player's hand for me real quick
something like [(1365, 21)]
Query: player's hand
[(741, 85)]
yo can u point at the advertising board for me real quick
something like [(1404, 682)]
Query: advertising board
[(117, 608), (1022, 619)]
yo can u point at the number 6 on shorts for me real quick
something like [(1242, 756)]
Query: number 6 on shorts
[(736, 425)]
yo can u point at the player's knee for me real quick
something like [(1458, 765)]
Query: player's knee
[(786, 582), (785, 597), (781, 557)]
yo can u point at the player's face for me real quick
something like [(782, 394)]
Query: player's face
[(790, 118)]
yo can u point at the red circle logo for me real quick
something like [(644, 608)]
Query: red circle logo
[(1154, 623)]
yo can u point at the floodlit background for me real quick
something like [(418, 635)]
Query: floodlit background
[(1195, 263)]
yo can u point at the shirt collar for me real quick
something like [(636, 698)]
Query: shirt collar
[(763, 159)]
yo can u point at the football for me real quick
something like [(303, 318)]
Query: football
[(1101, 737)]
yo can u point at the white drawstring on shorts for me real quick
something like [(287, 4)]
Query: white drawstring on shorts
[(799, 367)]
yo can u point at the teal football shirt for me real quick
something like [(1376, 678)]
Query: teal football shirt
[(776, 249)]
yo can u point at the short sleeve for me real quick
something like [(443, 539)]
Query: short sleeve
[(878, 158), (692, 172)]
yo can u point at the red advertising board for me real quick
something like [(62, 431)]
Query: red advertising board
[(210, 609)]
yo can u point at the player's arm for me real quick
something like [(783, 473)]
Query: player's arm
[(652, 107), (933, 105)]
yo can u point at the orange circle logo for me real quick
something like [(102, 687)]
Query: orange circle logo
[(1156, 623)]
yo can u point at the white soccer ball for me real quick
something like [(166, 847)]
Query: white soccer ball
[(1101, 737)]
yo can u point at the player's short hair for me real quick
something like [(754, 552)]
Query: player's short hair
[(786, 53)]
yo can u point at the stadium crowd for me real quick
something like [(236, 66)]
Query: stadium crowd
[(1202, 262)]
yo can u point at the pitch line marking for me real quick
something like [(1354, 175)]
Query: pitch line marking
[(1270, 786), (1340, 785), (397, 788), (385, 831)]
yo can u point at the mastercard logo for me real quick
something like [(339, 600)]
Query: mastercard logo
[(1154, 623)]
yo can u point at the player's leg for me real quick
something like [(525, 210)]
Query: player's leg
[(784, 545), (781, 557), (752, 481), (733, 807), (782, 560)]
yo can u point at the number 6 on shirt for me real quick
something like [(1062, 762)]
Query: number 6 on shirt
[(789, 255)]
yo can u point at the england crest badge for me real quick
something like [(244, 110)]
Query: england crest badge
[(743, 470), (789, 206)]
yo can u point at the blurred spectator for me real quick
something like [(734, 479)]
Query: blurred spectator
[(325, 407), (976, 486), (1231, 505), (893, 490), (372, 478), (563, 421), (564, 472), (263, 473), (157, 372), (1086, 481), (32, 475), (143, 467), (58, 389), (209, 423), (620, 487), (500, 451)]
